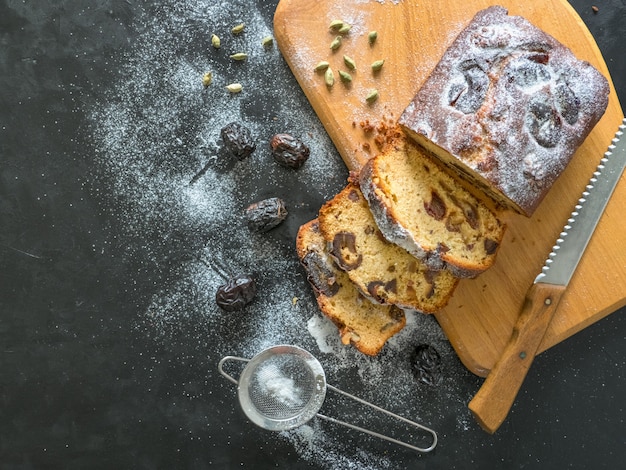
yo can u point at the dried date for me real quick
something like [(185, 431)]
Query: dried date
[(238, 140), (426, 364), (436, 208), (264, 215), (289, 151), (320, 274), (378, 290), (491, 246), (468, 93), (544, 122), (344, 251), (566, 101), (236, 293), (528, 72)]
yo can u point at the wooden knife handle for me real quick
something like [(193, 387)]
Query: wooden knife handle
[(493, 401)]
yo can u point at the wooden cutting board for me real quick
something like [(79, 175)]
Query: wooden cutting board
[(412, 36)]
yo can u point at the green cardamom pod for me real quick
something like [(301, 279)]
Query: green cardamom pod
[(335, 24), (349, 62), (267, 41), (345, 76), (336, 43), (329, 77), (376, 66), (234, 87), (238, 29), (207, 78), (345, 29), (321, 66), (372, 96)]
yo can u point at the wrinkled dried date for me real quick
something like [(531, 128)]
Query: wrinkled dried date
[(426, 365), (289, 151), (264, 215), (236, 293), (238, 140)]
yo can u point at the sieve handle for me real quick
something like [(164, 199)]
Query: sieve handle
[(376, 434), (225, 359)]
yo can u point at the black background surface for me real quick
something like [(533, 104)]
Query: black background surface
[(79, 383)]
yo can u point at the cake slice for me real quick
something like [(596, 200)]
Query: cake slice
[(381, 270), (419, 207), (507, 106), (362, 323)]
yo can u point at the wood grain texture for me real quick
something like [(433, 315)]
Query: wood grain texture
[(412, 37), (493, 401)]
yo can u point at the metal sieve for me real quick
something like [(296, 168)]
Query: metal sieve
[(284, 387)]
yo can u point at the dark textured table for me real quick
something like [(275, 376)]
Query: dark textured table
[(119, 212)]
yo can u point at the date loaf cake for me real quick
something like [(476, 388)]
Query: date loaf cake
[(418, 206), (382, 271), (362, 323), (507, 106)]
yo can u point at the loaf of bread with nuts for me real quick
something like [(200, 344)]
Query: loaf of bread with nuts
[(507, 106), (381, 270), (421, 208), (362, 323)]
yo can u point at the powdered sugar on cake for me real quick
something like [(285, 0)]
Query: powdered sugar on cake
[(510, 105)]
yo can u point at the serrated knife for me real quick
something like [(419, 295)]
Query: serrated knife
[(495, 397)]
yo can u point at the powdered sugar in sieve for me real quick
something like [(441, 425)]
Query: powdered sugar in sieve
[(284, 387)]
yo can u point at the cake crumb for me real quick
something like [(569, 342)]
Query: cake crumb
[(366, 126)]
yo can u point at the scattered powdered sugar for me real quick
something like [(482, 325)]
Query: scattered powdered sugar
[(160, 171), (325, 334)]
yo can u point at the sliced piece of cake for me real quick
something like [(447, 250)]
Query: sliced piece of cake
[(362, 323), (381, 270), (507, 106), (419, 207)]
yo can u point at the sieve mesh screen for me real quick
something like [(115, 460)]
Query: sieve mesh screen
[(281, 386)]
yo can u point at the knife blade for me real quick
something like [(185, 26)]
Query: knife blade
[(494, 399)]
